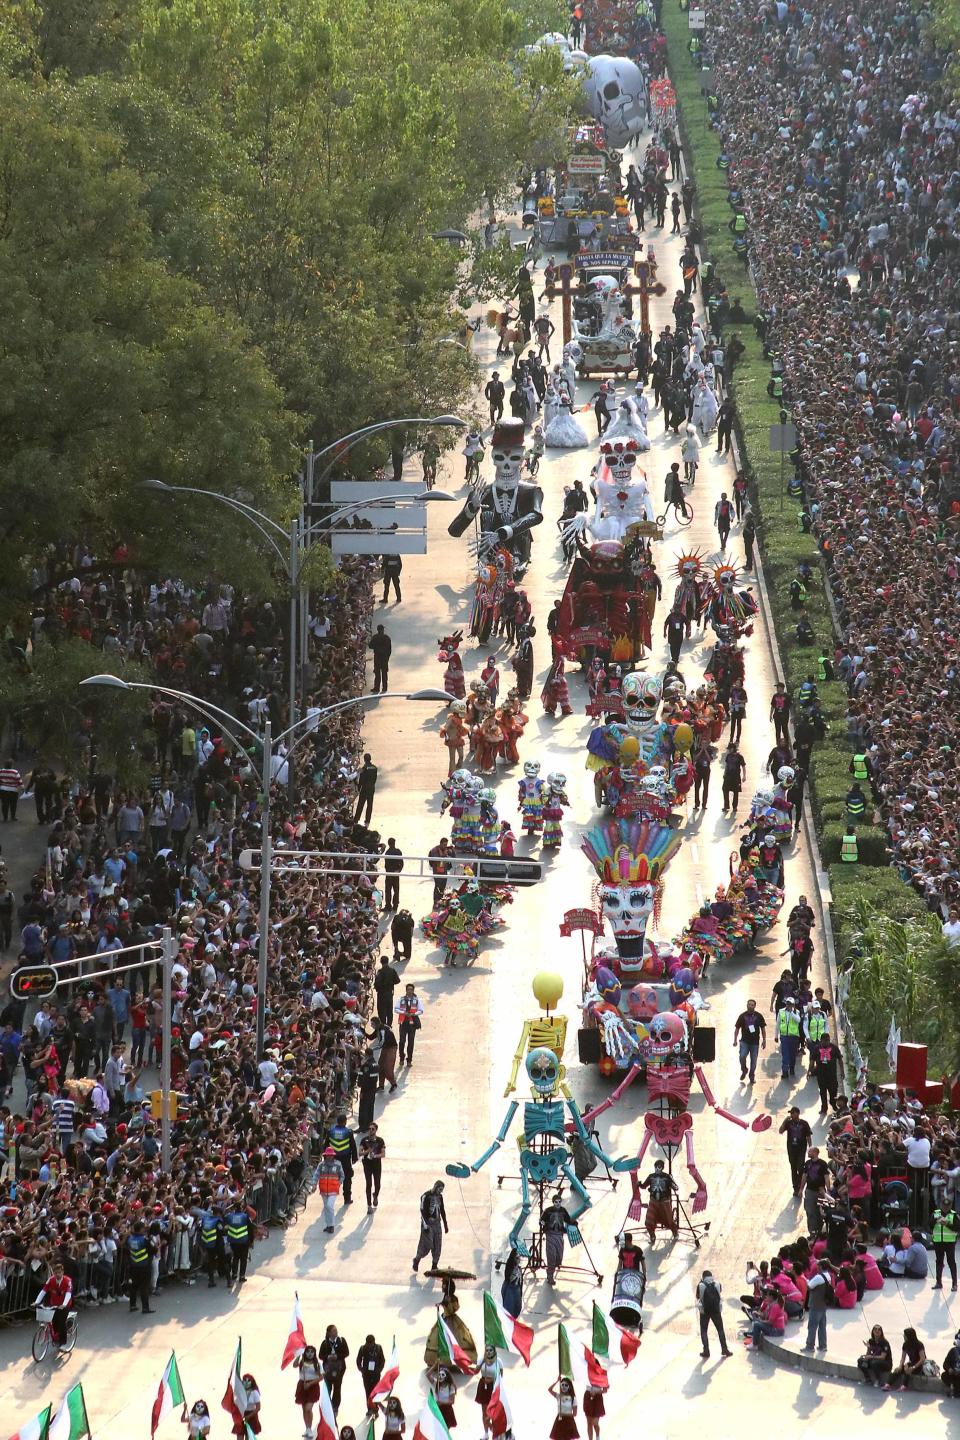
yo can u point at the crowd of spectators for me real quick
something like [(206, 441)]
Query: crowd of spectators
[(841, 137), (79, 1148)]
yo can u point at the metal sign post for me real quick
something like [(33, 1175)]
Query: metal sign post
[(783, 437)]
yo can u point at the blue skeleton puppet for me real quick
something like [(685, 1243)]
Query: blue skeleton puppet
[(545, 1154)]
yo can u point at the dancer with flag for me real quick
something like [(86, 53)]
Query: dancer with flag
[(170, 1395), (489, 1374), (198, 1421), (308, 1385), (296, 1340), (565, 1425), (445, 1389), (503, 1332)]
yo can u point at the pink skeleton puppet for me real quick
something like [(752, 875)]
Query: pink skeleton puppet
[(668, 1121)]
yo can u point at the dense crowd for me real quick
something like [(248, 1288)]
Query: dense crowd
[(841, 140), (80, 1157)]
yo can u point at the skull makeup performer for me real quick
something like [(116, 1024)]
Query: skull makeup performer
[(555, 802), (453, 681), (688, 596), (530, 796), (509, 508)]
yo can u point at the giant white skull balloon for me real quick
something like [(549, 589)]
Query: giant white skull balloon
[(614, 87)]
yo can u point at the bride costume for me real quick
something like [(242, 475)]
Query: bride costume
[(564, 431), (705, 408), (628, 425), (551, 401)]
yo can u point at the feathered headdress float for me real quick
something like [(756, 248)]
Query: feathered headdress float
[(632, 852)]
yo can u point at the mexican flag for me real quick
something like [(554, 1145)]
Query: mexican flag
[(449, 1349), (296, 1340), (235, 1396), (169, 1395), (70, 1421), (498, 1410), (389, 1377), (326, 1419), (629, 1343), (370, 1432), (503, 1332), (35, 1429), (577, 1361), (431, 1424)]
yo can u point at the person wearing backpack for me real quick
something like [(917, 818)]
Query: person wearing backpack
[(710, 1307)]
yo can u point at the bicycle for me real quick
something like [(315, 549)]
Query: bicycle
[(473, 468), (682, 518), (531, 463), (43, 1338)]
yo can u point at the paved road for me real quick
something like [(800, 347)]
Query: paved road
[(451, 1102)]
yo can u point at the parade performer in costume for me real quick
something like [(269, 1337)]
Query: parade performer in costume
[(510, 508), (471, 837), (453, 681), (454, 800), (494, 579), (555, 691), (530, 795), (565, 431), (622, 495), (555, 803), (489, 739), (455, 731), (513, 722), (489, 822), (688, 596), (728, 609), (628, 425)]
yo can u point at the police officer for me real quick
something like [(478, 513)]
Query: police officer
[(344, 1144), (238, 1237), (211, 1243), (856, 804), (946, 1227), (140, 1252), (788, 1034)]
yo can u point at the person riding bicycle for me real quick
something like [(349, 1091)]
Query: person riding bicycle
[(431, 454), (473, 450), (57, 1294), (673, 489)]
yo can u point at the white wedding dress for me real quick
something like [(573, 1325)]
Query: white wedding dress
[(565, 431), (627, 425)]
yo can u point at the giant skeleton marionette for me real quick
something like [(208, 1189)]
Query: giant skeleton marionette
[(509, 508), (546, 1148)]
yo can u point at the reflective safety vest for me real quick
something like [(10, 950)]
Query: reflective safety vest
[(340, 1139), (788, 1022), (740, 225), (777, 387), (209, 1230), (137, 1251), (945, 1227), (816, 1026), (856, 805), (328, 1177), (723, 161), (238, 1228), (805, 693), (860, 771), (849, 853), (821, 667)]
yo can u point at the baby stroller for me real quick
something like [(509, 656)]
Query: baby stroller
[(894, 1204)]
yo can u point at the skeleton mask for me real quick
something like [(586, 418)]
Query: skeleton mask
[(507, 460), (543, 1069), (641, 698), (785, 775), (614, 86), (668, 1035), (531, 768), (628, 908)]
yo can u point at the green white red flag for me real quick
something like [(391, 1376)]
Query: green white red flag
[(602, 1323), (431, 1424), (235, 1396), (450, 1350), (503, 1332), (36, 1429), (577, 1361), (169, 1395), (297, 1339), (498, 1410), (70, 1421), (389, 1377), (326, 1418)]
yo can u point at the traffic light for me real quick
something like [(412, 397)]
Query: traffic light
[(33, 982)]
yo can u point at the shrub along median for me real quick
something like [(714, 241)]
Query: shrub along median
[(782, 542)]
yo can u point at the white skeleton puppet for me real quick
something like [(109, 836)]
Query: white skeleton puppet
[(509, 508), (615, 88), (622, 495)]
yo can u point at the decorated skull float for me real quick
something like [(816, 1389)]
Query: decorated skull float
[(614, 88)]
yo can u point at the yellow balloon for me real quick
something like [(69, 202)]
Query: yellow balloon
[(547, 987), (629, 749), (683, 738)]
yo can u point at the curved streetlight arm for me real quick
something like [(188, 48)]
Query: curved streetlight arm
[(256, 517), (346, 442), (377, 500), (205, 707)]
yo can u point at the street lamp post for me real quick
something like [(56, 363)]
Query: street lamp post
[(270, 749), (297, 539)]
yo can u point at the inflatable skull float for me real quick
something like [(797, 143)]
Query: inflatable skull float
[(614, 87)]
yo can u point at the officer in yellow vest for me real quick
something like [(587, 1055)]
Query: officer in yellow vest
[(775, 387), (856, 804), (946, 1227), (860, 768), (849, 852), (788, 1034)]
